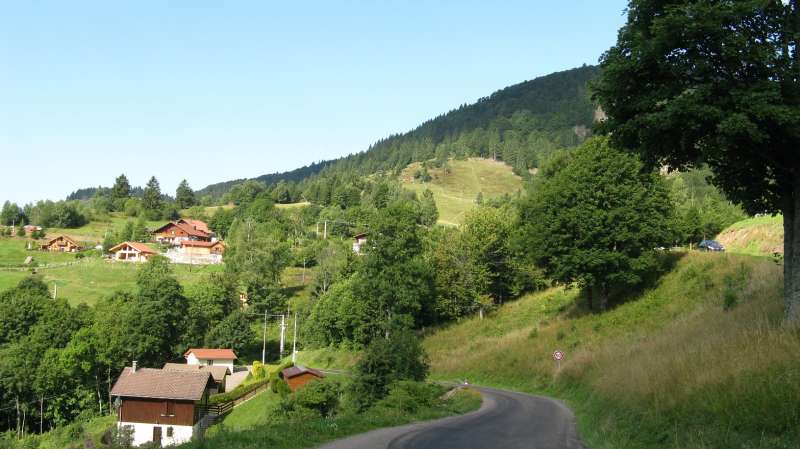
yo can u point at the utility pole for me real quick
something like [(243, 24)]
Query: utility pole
[(325, 233), (55, 290), (283, 331), (294, 340), (264, 344)]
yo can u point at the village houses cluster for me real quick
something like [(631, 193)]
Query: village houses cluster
[(187, 241), (170, 405)]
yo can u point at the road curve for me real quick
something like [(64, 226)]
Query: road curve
[(506, 420)]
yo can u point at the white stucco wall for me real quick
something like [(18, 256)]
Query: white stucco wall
[(193, 360), (143, 433)]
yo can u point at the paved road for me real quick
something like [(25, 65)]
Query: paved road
[(506, 420)]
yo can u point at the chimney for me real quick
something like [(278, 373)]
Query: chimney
[(133, 366)]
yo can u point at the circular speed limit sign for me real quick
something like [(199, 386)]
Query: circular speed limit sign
[(558, 355)]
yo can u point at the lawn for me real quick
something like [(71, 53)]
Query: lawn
[(13, 251), (455, 192), (93, 278), (699, 360)]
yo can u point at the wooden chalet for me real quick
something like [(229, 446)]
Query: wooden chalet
[(298, 375), (132, 252), (175, 232), (62, 244), (161, 406)]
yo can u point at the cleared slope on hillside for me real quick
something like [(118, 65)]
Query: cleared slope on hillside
[(455, 192), (758, 236), (671, 367)]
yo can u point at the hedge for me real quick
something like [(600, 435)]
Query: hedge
[(237, 392)]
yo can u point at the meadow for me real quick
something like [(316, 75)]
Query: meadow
[(93, 278), (698, 360), (455, 192), (757, 236)]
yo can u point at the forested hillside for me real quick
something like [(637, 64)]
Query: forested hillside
[(520, 124)]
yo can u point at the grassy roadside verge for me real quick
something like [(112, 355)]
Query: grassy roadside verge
[(252, 429), (700, 360)]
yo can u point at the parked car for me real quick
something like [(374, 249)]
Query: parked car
[(711, 245)]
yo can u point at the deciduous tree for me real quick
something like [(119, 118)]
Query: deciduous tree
[(715, 82)]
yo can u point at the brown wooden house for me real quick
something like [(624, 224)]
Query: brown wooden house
[(175, 232), (62, 244), (298, 375), (161, 406)]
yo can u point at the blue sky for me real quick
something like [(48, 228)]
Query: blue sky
[(212, 91)]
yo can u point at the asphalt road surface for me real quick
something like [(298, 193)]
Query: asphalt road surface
[(506, 420)]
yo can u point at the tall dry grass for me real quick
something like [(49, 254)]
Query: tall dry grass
[(700, 360)]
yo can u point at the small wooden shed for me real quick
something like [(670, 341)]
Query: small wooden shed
[(298, 375)]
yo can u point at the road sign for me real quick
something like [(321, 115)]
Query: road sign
[(558, 355)]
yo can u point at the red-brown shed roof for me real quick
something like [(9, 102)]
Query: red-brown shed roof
[(161, 384), (297, 370), (212, 353)]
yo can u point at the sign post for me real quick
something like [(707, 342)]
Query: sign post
[(557, 356)]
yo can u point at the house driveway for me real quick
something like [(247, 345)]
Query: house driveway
[(237, 377)]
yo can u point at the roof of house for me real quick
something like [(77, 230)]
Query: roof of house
[(212, 353), (201, 244), (161, 384), (218, 372), (197, 224), (50, 241), (360, 236), (297, 370), (140, 247), (190, 229)]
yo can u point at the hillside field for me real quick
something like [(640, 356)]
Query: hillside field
[(90, 279), (455, 192), (757, 236), (699, 360)]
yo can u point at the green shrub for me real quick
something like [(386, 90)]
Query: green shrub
[(259, 371), (321, 396), (385, 361), (281, 387), (410, 396)]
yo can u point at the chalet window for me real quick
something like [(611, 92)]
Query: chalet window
[(169, 432), (169, 408)]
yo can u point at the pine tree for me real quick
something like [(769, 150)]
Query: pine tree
[(429, 212), (184, 195), (121, 190), (151, 200)]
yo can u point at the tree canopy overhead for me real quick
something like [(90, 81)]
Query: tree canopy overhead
[(714, 82)]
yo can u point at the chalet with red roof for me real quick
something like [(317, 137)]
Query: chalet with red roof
[(211, 357), (175, 232), (161, 406), (132, 252)]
